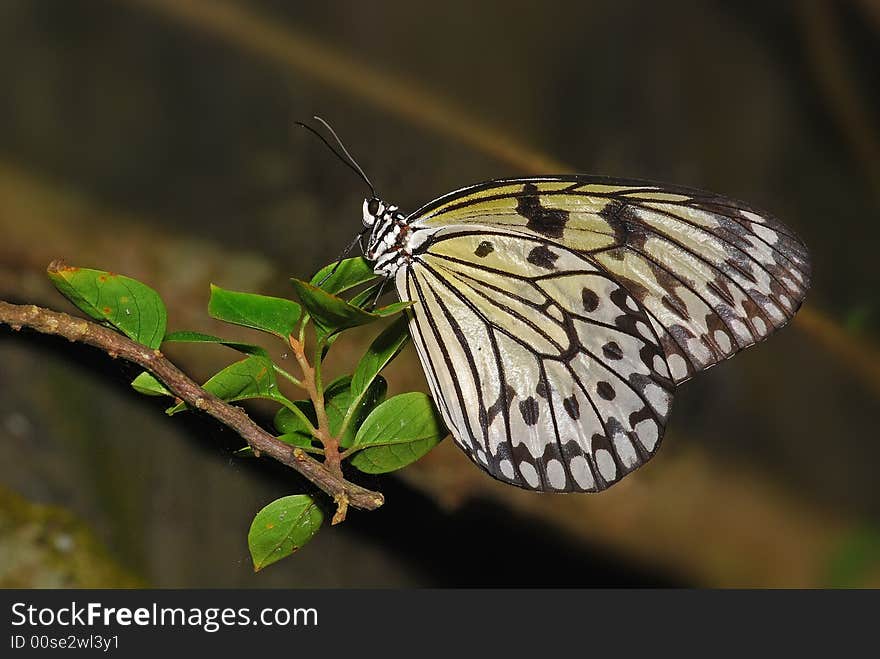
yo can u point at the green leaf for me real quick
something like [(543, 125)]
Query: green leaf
[(282, 527), (131, 307), (186, 336), (348, 274), (252, 377), (331, 313), (393, 308), (269, 314), (147, 384), (398, 432), (384, 348)]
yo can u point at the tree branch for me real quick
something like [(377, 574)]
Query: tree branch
[(46, 321)]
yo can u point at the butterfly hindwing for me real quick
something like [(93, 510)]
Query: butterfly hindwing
[(548, 373)]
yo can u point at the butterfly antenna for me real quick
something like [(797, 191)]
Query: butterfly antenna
[(347, 159), (351, 159), (340, 258)]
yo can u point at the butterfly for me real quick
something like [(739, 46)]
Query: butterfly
[(555, 316)]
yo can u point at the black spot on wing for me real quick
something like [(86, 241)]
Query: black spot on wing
[(590, 299), (628, 229), (572, 406), (546, 221), (612, 350), (529, 410), (543, 257), (605, 390), (541, 388), (484, 249)]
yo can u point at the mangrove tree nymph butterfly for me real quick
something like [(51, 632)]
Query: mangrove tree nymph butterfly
[(554, 316)]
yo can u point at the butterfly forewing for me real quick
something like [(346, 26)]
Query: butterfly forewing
[(713, 275)]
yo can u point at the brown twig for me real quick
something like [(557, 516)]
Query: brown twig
[(80, 330)]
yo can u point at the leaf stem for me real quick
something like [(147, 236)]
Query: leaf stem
[(351, 449), (287, 376), (302, 328), (312, 382), (319, 384)]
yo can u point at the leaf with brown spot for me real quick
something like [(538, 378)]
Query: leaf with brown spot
[(283, 527), (128, 305)]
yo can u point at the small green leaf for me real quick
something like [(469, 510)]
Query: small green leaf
[(331, 313), (268, 314), (393, 308), (348, 274), (186, 336), (146, 384), (398, 432), (384, 348), (252, 377), (131, 307), (282, 527)]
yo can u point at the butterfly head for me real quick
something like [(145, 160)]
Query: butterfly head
[(374, 209), (385, 236)]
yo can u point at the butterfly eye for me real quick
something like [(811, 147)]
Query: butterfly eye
[(371, 210)]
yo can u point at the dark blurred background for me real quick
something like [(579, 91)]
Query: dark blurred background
[(155, 138)]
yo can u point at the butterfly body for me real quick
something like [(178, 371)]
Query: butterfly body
[(555, 315)]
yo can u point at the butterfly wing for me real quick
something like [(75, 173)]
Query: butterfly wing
[(714, 275), (546, 370)]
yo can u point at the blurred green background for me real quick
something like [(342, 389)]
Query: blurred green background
[(155, 138)]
